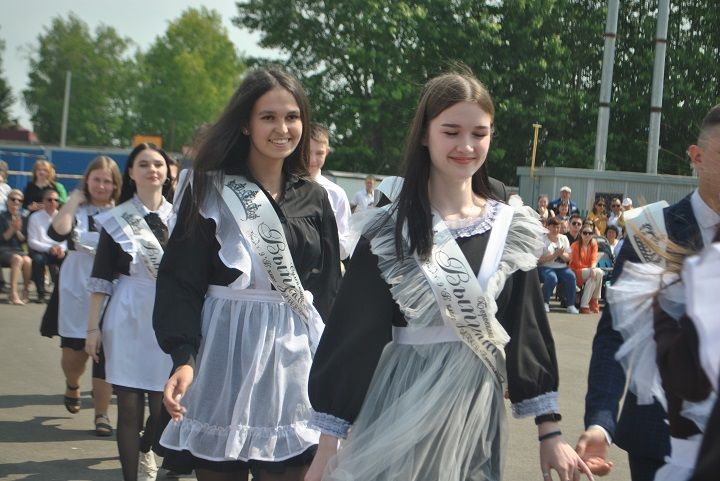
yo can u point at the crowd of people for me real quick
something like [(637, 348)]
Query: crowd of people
[(579, 252), (262, 323)]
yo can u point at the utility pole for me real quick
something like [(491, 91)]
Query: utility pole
[(657, 86), (66, 108), (606, 84)]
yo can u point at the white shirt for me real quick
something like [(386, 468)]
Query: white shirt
[(4, 191), (707, 218), (37, 232), (362, 200), (550, 246), (341, 208)]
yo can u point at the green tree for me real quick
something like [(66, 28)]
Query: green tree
[(6, 96), (188, 75), (363, 62), (102, 83)]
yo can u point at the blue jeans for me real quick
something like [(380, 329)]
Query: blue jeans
[(549, 277)]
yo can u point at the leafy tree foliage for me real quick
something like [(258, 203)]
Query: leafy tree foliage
[(101, 84), (188, 75), (363, 63), (6, 96)]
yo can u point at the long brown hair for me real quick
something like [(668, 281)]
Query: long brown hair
[(223, 147), (103, 162), (413, 205)]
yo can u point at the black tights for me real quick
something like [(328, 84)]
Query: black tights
[(290, 473), (131, 410)]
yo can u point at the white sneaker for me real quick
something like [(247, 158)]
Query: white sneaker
[(572, 310), (547, 307), (147, 468)]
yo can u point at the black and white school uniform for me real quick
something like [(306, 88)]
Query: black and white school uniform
[(75, 271), (133, 358), (422, 405), (249, 399)]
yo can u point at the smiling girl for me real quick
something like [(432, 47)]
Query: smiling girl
[(440, 311), (131, 245), (251, 265)]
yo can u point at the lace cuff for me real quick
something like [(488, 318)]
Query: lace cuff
[(542, 404), (102, 286), (329, 424)]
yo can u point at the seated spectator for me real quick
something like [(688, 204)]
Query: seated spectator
[(542, 207), (612, 234), (44, 251), (598, 216), (616, 217), (583, 261), (627, 203), (573, 228), (12, 237), (565, 192), (43, 177), (553, 266), (563, 213), (4, 187)]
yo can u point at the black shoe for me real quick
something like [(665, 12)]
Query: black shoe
[(41, 299)]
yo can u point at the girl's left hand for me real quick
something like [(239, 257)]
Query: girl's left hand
[(556, 454)]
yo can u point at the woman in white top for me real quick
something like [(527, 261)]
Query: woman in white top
[(98, 191), (129, 251), (553, 267)]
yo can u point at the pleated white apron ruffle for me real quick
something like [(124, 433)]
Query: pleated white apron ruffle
[(74, 297), (249, 398)]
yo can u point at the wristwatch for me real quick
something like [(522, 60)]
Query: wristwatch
[(544, 418)]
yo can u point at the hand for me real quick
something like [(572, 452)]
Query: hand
[(35, 206), (77, 196), (93, 341), (558, 455), (593, 449), (175, 389), (327, 448), (60, 253)]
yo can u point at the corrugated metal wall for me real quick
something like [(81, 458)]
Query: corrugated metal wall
[(586, 184)]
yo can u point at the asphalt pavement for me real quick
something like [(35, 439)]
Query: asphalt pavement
[(41, 441)]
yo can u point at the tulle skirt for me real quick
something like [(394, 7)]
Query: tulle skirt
[(431, 413), (249, 398)]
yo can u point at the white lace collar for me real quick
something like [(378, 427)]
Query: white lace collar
[(474, 225)]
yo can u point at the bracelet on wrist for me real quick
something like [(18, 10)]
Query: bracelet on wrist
[(544, 418), (92, 330), (549, 435)]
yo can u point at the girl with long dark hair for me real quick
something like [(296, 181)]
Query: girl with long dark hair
[(440, 307), (129, 251), (252, 264)]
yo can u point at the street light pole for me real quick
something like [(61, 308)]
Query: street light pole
[(657, 86), (66, 108), (606, 84)]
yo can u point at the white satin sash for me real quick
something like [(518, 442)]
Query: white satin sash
[(460, 295), (133, 224)]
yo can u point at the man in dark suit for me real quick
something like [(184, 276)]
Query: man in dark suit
[(642, 431)]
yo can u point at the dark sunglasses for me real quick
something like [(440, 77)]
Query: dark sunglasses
[(14, 199), (587, 232), (51, 199), (615, 205), (576, 223)]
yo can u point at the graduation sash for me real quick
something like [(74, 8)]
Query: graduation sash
[(261, 227), (647, 224), (463, 304), (133, 224)]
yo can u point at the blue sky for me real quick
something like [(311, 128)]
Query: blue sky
[(142, 20)]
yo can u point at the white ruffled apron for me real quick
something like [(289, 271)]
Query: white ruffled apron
[(433, 410), (253, 364), (133, 357)]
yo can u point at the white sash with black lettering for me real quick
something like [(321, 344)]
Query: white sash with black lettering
[(646, 229), (463, 304), (133, 224), (260, 225)]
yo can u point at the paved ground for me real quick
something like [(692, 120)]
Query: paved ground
[(41, 441)]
